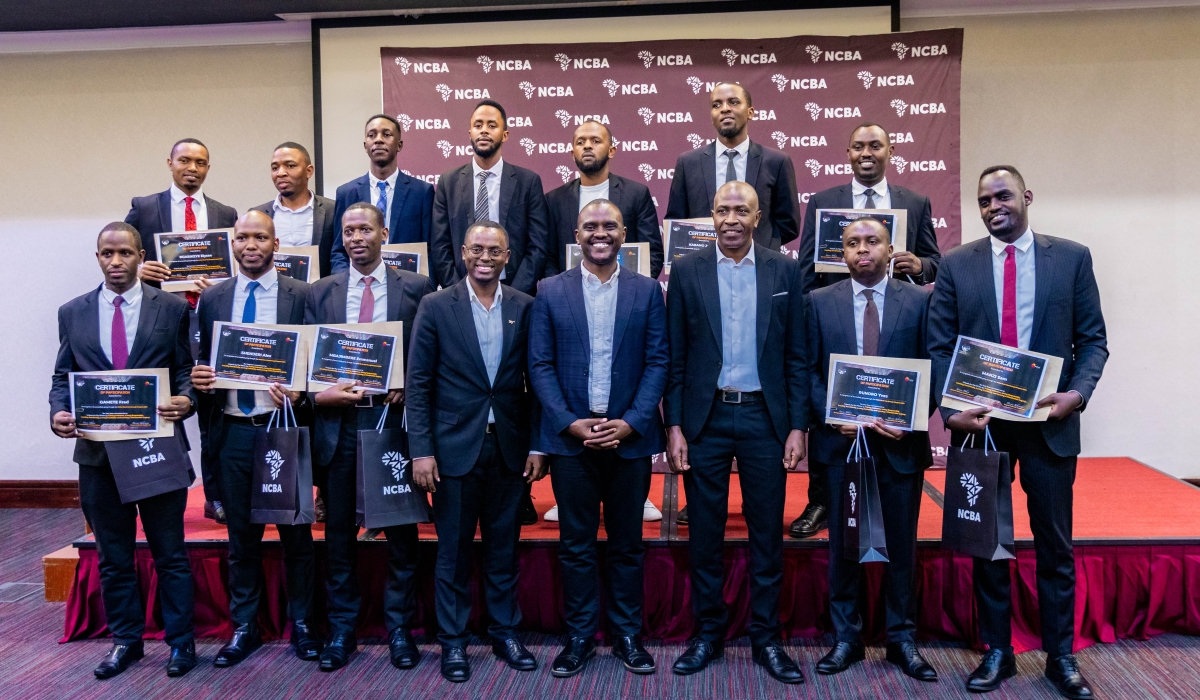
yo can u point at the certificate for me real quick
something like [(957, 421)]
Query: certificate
[(120, 404), (367, 354), (861, 389), (827, 256), (632, 256), (683, 236), (299, 263), (413, 257), (252, 356), (193, 255), (1001, 377)]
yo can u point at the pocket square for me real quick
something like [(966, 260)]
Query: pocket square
[(780, 294)]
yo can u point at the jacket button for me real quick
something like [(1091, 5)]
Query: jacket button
[(585, 372)]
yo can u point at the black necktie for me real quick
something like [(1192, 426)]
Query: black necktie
[(730, 170), (870, 325), (870, 195)]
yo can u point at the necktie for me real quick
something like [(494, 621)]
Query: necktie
[(120, 346), (245, 397), (730, 171), (189, 214), (870, 195), (870, 325), (381, 203), (1008, 314), (481, 198), (366, 310)]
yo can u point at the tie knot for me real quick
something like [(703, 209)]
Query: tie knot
[(252, 286), (1011, 250), (868, 294), (483, 176), (189, 200), (118, 301), (869, 192), (368, 281), (382, 185), (731, 153)]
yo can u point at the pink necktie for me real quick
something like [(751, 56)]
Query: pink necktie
[(366, 310), (120, 347), (1008, 315)]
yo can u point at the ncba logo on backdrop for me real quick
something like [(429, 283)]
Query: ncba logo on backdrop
[(901, 51), (650, 116), (734, 58), (567, 118), (697, 85), (649, 59), (652, 173), (697, 141), (816, 168), (614, 87), (406, 122), (566, 62), (815, 53), (924, 166), (903, 107), (782, 140), (545, 91), (783, 83), (884, 80), (431, 179), (566, 173), (461, 94), (486, 63), (421, 67), (532, 146), (815, 111)]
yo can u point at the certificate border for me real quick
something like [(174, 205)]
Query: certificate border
[(1053, 373), (165, 428), (899, 236), (643, 255), (421, 249), (312, 252), (296, 384), (190, 285), (395, 329), (923, 368), (665, 231)]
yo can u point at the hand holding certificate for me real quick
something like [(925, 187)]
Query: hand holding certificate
[(827, 253), (999, 377), (888, 390), (256, 356), (120, 404), (194, 255), (367, 355)]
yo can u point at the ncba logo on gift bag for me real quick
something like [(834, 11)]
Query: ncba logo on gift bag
[(147, 444), (398, 464), (275, 461), (853, 521), (972, 486)]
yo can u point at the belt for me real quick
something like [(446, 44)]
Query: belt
[(727, 396), (599, 415), (491, 428), (257, 421), (370, 401)]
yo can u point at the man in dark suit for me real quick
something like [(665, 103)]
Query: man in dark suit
[(125, 324), (593, 148), (407, 203), (874, 316), (489, 189), (598, 361), (870, 151), (738, 388), (368, 292), (258, 294), (469, 414), (733, 156), (301, 218), (1037, 293)]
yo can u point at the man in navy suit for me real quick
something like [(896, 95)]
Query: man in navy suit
[(871, 315), (733, 156), (469, 417), (125, 324), (490, 189), (1038, 293), (301, 217), (598, 360), (407, 203)]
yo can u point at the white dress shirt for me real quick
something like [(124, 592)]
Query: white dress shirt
[(294, 227), (493, 187), (131, 310), (354, 294), (600, 301), (737, 285), (589, 193), (1025, 283), (739, 164), (179, 210), (266, 310), (391, 193), (860, 306), (489, 330), (882, 197)]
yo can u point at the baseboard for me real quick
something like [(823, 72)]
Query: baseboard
[(39, 494)]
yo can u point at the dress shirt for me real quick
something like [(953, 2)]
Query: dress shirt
[(737, 284), (179, 209), (588, 193), (882, 198), (354, 294), (391, 193), (489, 329), (739, 165), (860, 307), (600, 301), (266, 305), (294, 227), (131, 310), (1025, 283)]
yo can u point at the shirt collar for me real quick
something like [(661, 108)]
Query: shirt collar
[(589, 278), (880, 188), (748, 260), (379, 273), (1022, 243), (131, 296), (267, 281), (391, 179), (742, 148), (178, 195), (880, 289), (280, 207), (475, 297), (497, 169)]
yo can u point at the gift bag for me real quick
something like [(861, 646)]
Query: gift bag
[(862, 512), (145, 467), (281, 485), (977, 516), (386, 494)]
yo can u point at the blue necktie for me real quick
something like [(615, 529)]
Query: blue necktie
[(382, 203), (246, 396)]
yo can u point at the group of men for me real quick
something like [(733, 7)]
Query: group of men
[(518, 367)]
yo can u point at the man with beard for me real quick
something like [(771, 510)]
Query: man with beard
[(301, 217), (406, 202)]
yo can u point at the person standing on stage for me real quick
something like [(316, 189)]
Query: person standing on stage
[(738, 388), (887, 318), (301, 218), (469, 415), (1038, 293), (368, 292), (406, 202), (258, 294), (125, 324), (870, 152), (598, 360)]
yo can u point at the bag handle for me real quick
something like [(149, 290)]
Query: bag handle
[(987, 440), (382, 418), (860, 445), (279, 417)]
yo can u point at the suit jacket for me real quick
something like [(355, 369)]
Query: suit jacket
[(920, 239), (152, 214), (326, 304), (522, 214), (1067, 321), (768, 171), (325, 228), (831, 331), (447, 393), (560, 355), (694, 322), (409, 217), (161, 342), (637, 211)]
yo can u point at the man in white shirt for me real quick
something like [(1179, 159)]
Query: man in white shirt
[(301, 217)]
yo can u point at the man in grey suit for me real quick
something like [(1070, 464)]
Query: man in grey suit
[(301, 217), (1037, 293)]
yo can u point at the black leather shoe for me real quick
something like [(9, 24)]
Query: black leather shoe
[(246, 638), (119, 657), (337, 651), (455, 667), (814, 519), (682, 517), (181, 660), (573, 658), (526, 513), (371, 534), (1064, 672), (631, 653), (698, 655), (306, 644), (403, 649), (994, 667), (513, 653), (213, 510), (777, 662), (906, 656), (842, 656)]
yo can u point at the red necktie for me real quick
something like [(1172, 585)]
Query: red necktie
[(120, 345), (1008, 315), (189, 215), (366, 309)]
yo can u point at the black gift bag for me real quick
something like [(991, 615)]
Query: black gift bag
[(386, 494), (977, 516), (281, 487), (145, 467), (863, 537)]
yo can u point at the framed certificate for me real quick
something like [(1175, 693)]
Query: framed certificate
[(413, 257), (120, 404), (1003, 378), (193, 255), (300, 263), (368, 354), (632, 256), (861, 389), (827, 256), (683, 236), (252, 356)]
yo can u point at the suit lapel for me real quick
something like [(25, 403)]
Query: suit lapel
[(164, 214), (508, 313), (401, 193), (753, 161), (764, 282), (573, 282), (508, 183), (364, 189), (896, 195), (710, 290), (147, 321), (845, 316), (845, 198), (395, 293), (1043, 261), (320, 213), (626, 294), (466, 201), (90, 327), (894, 297), (466, 326), (986, 278), (615, 192), (337, 298), (225, 301), (285, 304), (708, 166)]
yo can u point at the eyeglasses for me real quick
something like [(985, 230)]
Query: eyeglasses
[(477, 251)]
